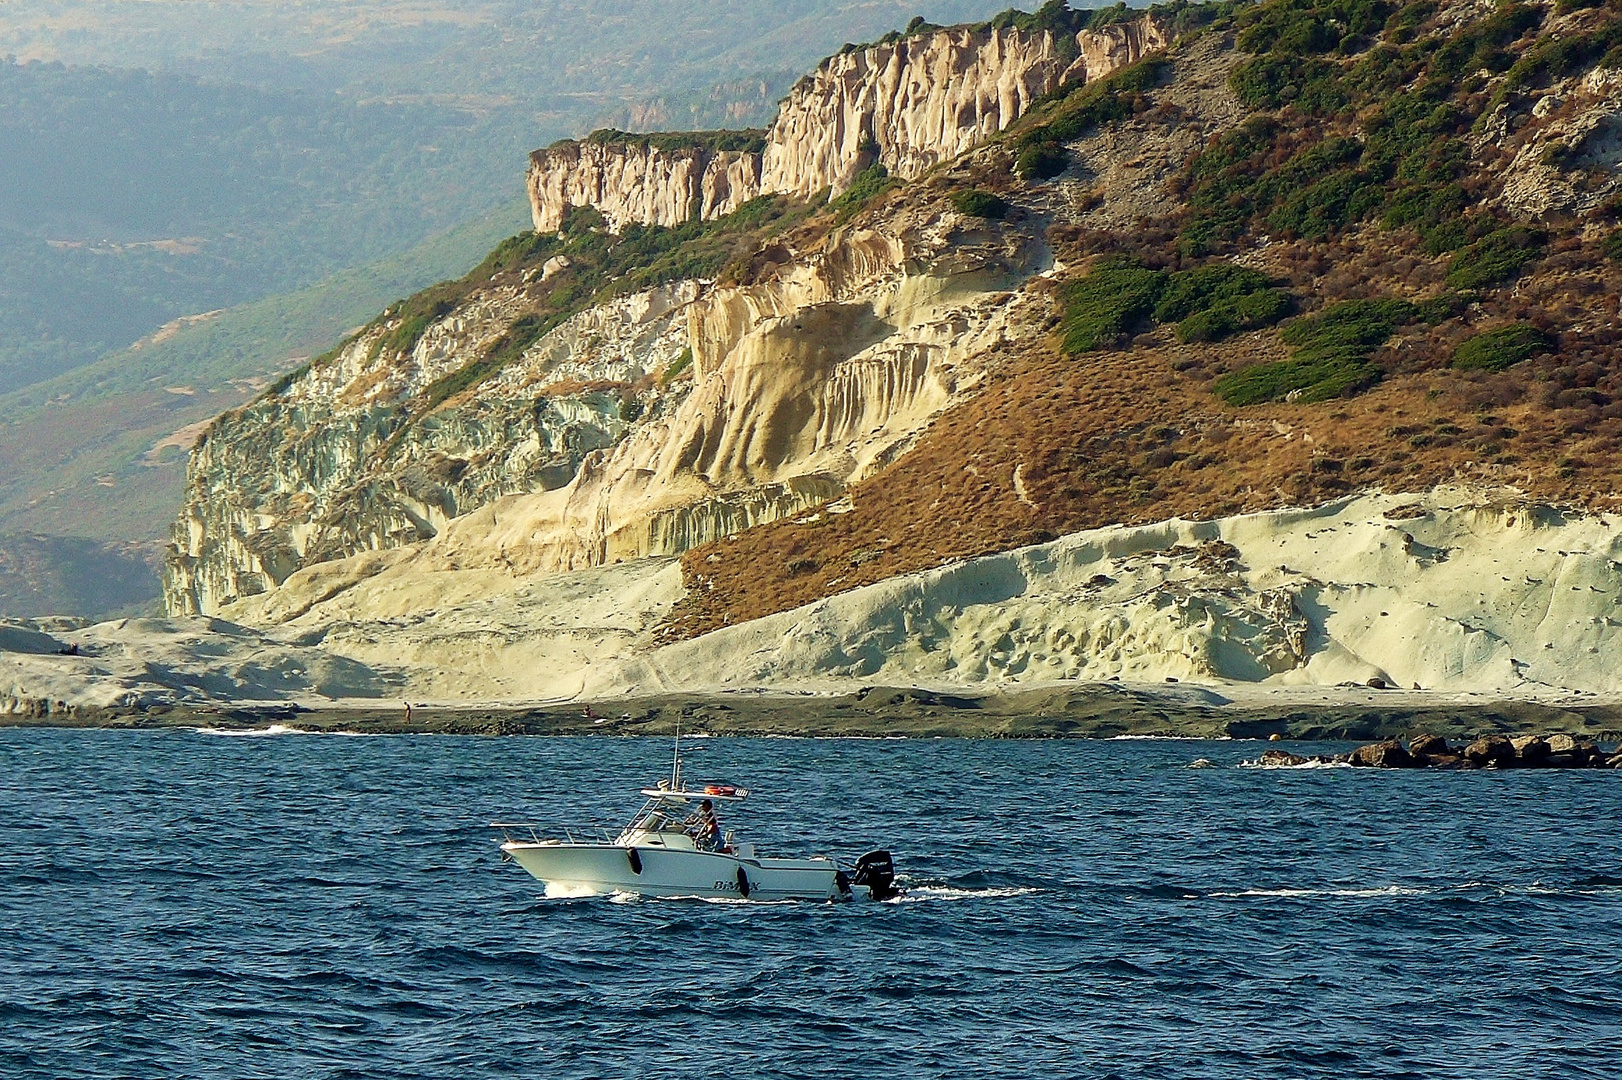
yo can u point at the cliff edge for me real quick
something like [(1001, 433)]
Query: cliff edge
[(907, 104)]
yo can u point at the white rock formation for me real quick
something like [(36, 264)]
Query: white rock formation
[(1569, 158), (1458, 593), (909, 104), (1467, 595)]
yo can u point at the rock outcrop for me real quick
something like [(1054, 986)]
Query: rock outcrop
[(344, 462), (581, 452), (907, 104), (1433, 752), (636, 179)]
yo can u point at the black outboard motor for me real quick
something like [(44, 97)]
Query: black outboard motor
[(876, 872)]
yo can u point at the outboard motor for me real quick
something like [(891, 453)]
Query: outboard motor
[(876, 872)]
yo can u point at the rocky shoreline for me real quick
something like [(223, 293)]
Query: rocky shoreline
[(1556, 751), (1095, 711)]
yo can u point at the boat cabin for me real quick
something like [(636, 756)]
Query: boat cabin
[(662, 821)]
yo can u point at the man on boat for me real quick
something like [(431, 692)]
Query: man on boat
[(703, 828)]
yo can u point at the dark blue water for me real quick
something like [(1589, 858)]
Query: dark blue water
[(180, 904)]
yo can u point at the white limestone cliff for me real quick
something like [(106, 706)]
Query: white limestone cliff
[(908, 104)]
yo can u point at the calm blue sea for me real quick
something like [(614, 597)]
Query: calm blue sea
[(181, 904)]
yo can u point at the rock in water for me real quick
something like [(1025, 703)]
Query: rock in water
[(1562, 744), (1427, 745), (1530, 749), (1281, 759), (1383, 755), (1493, 750)]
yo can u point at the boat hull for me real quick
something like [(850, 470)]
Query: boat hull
[(598, 869)]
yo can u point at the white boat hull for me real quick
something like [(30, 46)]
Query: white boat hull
[(597, 869)]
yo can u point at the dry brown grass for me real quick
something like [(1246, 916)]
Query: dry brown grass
[(1136, 436)]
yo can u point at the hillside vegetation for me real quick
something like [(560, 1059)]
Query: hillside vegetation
[(1399, 267)]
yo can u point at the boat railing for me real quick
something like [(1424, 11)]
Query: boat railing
[(524, 832)]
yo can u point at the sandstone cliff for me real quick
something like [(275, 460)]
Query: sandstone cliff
[(907, 104), (846, 423), (579, 452)]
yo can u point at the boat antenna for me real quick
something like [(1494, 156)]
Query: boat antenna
[(675, 764)]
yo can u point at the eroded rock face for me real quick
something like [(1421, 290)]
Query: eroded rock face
[(346, 460), (909, 104), (1570, 152), (583, 452), (639, 182)]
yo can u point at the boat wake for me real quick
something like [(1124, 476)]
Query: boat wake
[(1307, 894), (917, 894)]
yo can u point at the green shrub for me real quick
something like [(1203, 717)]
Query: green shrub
[(1235, 315), (981, 204), (1041, 161), (1208, 303), (1495, 350), (1331, 356), (1613, 246), (1217, 301), (1350, 324), (417, 315), (1496, 257), (1304, 27), (1102, 308), (872, 182), (1309, 380)]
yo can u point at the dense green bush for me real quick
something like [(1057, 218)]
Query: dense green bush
[(1351, 325), (1495, 350), (1208, 303), (981, 204), (1041, 161), (1331, 356), (1105, 306), (1315, 380), (1496, 257), (1304, 27), (1235, 315)]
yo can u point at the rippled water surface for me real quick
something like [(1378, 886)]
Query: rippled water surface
[(185, 904)]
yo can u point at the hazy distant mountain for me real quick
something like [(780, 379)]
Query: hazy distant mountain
[(302, 165)]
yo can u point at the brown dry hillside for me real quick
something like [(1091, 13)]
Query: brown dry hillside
[(1437, 168)]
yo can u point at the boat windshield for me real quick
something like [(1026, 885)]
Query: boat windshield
[(669, 811), (656, 817)]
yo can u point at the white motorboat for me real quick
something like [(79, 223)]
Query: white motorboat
[(657, 854)]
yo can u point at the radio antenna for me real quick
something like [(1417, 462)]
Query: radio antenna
[(675, 763)]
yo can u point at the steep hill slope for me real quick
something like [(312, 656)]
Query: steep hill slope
[(1303, 252)]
